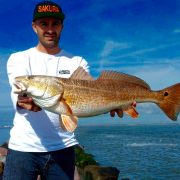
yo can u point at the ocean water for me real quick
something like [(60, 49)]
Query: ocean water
[(6, 121), (140, 152)]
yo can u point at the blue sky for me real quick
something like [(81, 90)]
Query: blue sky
[(138, 37)]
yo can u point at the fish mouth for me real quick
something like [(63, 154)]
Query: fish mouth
[(19, 87)]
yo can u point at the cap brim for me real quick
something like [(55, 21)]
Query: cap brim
[(44, 15)]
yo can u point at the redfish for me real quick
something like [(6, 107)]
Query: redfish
[(82, 96)]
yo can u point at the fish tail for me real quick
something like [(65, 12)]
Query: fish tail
[(170, 103)]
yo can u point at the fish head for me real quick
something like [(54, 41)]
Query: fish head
[(30, 85)]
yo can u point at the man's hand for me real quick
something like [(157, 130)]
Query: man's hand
[(130, 110), (119, 112), (25, 102)]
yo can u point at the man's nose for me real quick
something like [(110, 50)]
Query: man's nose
[(50, 29)]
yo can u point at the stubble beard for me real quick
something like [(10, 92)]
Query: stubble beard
[(50, 44)]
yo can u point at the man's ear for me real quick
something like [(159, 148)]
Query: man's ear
[(34, 27)]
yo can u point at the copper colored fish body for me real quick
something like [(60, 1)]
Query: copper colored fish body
[(81, 96)]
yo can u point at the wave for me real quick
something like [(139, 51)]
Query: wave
[(150, 144), (3, 127)]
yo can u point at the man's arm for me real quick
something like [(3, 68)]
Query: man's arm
[(17, 66)]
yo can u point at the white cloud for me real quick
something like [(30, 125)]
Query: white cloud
[(159, 76), (158, 73), (133, 61), (146, 50), (111, 46), (176, 31)]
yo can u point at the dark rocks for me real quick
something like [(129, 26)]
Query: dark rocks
[(3, 153), (83, 158), (89, 169), (1, 168), (93, 172)]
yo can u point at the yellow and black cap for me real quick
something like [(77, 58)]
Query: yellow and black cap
[(48, 9)]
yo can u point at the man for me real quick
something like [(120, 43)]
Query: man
[(37, 143)]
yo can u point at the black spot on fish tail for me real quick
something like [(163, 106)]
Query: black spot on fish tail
[(166, 93)]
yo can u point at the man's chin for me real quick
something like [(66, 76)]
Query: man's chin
[(50, 45)]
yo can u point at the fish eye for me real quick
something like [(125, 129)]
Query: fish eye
[(166, 93)]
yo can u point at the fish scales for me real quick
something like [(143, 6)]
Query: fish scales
[(101, 92)]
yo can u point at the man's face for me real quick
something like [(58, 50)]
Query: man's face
[(48, 31)]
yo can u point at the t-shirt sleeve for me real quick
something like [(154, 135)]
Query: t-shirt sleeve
[(16, 66)]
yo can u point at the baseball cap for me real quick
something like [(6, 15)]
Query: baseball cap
[(48, 9)]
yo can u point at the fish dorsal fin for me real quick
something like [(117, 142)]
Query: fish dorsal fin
[(122, 77), (80, 73)]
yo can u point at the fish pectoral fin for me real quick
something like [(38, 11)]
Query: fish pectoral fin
[(68, 123), (131, 111), (68, 120)]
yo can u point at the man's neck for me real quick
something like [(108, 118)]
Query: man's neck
[(54, 50)]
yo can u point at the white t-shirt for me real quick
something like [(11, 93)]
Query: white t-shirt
[(40, 131)]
